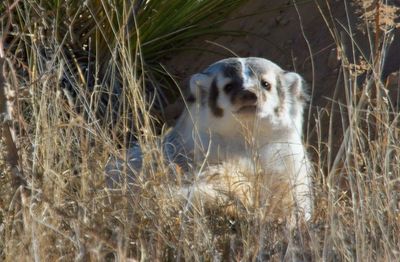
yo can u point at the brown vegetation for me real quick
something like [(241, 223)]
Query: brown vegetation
[(53, 202)]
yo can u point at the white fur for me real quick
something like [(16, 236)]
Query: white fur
[(275, 140)]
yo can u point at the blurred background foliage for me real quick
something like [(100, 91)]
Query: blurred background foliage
[(92, 39)]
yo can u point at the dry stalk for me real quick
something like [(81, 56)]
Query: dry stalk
[(6, 129)]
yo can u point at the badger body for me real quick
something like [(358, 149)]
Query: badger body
[(244, 119), (241, 135)]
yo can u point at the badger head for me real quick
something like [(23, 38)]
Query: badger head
[(244, 90)]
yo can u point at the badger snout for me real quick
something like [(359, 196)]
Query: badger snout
[(246, 96), (245, 101)]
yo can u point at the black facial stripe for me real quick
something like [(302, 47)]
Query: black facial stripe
[(234, 94), (280, 90), (232, 70), (281, 94), (234, 89), (213, 98)]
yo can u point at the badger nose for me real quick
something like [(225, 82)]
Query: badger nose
[(247, 96)]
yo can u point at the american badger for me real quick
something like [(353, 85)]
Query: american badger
[(242, 133), (243, 129)]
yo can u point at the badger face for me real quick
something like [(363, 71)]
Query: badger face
[(248, 89)]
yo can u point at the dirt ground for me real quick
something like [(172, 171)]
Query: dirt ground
[(298, 39)]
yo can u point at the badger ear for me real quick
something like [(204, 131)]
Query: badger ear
[(199, 84), (296, 86)]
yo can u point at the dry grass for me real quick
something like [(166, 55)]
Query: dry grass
[(62, 211)]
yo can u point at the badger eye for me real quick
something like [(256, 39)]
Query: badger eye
[(265, 85), (228, 87)]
